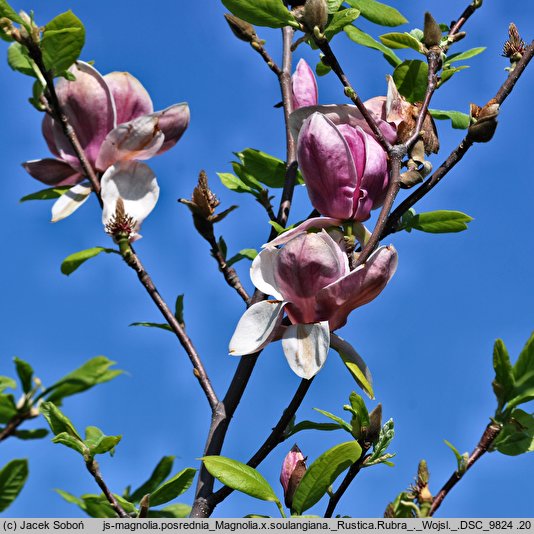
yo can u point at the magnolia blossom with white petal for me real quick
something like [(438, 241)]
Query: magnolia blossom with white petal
[(312, 283)]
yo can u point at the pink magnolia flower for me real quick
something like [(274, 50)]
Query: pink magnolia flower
[(114, 120), (293, 469), (311, 281), (304, 86)]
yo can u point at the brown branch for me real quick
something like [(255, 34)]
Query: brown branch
[(258, 46), (229, 273), (12, 425), (469, 10), (488, 437), (93, 468)]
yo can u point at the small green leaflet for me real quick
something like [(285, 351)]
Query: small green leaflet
[(524, 375), (339, 21), (333, 5), (362, 38), (271, 13), (461, 459), (162, 326), (17, 58), (462, 56), (311, 425), (158, 476), (174, 487), (7, 11), (436, 222), (401, 40), (321, 69), (246, 253), (59, 423), (25, 374), (98, 442), (378, 13), (379, 455), (50, 193), (411, 79), (504, 382), (12, 479), (72, 262), (322, 473), (459, 120), (517, 435)]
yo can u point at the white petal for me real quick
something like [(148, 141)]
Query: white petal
[(256, 327), (70, 201), (306, 347), (136, 184), (262, 272)]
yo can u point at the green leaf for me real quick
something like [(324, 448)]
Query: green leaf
[(461, 459), (36, 433), (7, 382), (95, 371), (96, 506), (339, 21), (25, 374), (70, 498), (174, 487), (378, 13), (163, 326), (385, 437), (240, 477), (341, 422), (265, 168), (311, 425), (322, 473), (517, 436), (448, 72), (160, 473), (8, 407), (362, 38), (73, 443), (234, 183), (504, 382), (459, 120), (401, 40), (17, 58), (72, 262), (271, 13), (249, 180), (246, 253), (179, 309), (59, 422), (178, 511), (462, 56), (12, 479), (524, 375), (321, 69), (411, 79), (62, 42), (333, 5), (50, 193), (7, 11), (439, 222), (98, 443)]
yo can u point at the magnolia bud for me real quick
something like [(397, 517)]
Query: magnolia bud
[(293, 470), (484, 122), (241, 29), (432, 32), (315, 14), (375, 424)]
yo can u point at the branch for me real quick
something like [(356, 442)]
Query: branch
[(229, 273), (93, 468), (488, 437), (12, 425)]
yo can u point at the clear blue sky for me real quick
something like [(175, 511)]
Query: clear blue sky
[(427, 339)]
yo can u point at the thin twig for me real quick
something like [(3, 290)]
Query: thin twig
[(93, 468), (229, 273), (469, 10), (266, 57), (12, 425), (488, 437)]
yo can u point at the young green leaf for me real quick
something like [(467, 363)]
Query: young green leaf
[(341, 422), (461, 459), (517, 435), (333, 5), (311, 425), (36, 433), (459, 121), (62, 42), (234, 183), (12, 479), (72, 442), (46, 194), (385, 437), (339, 21), (265, 168), (17, 58), (8, 407), (504, 382), (462, 56), (8, 12), (401, 40), (439, 222), (179, 309), (160, 473), (322, 473), (98, 506), (448, 72), (25, 374), (411, 78), (321, 69), (72, 262), (362, 38), (98, 443), (163, 326), (246, 253), (174, 487), (178, 511), (95, 371), (240, 477), (271, 13), (378, 13), (524, 375), (59, 422), (70, 498), (7, 382)]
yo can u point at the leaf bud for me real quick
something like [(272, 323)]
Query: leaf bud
[(484, 122), (315, 14), (241, 29), (423, 475), (514, 47), (432, 32)]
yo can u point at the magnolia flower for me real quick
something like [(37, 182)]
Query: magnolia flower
[(304, 86), (311, 281), (114, 120), (293, 469)]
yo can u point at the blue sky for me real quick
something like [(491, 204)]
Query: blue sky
[(427, 339)]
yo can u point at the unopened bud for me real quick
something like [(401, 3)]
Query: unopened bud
[(484, 122), (432, 32), (293, 469), (423, 475), (315, 14), (375, 424), (514, 47), (241, 28)]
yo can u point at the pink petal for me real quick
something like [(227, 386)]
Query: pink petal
[(305, 265), (327, 165), (52, 172), (89, 106), (304, 86), (357, 288), (173, 122), (315, 222), (131, 98), (290, 462), (139, 139)]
